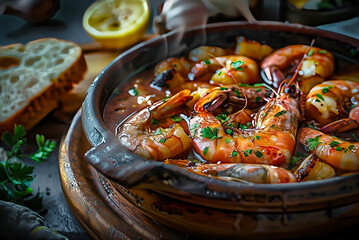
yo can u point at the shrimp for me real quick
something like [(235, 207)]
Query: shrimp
[(328, 104), (158, 132), (242, 172), (316, 66), (340, 154), (171, 72), (226, 70), (270, 141), (204, 52), (313, 169), (252, 49)]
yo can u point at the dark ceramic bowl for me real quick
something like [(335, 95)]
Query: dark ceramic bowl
[(317, 206)]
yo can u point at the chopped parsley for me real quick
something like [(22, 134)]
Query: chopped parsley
[(205, 150), (334, 143), (229, 131), (237, 65), (209, 133), (234, 153), (313, 143), (258, 154), (133, 92), (165, 99), (258, 89), (310, 53), (163, 140), (219, 73), (238, 94), (339, 148), (350, 147), (293, 161), (154, 121), (227, 140), (258, 85), (258, 99), (222, 117), (258, 137), (176, 118), (223, 88), (244, 126), (157, 132), (322, 51), (280, 113), (246, 153), (319, 96), (326, 89), (207, 61)]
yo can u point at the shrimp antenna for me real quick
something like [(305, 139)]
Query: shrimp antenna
[(230, 74), (301, 62)]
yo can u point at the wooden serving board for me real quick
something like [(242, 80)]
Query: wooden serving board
[(93, 199)]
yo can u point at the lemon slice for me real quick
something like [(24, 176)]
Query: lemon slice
[(117, 23)]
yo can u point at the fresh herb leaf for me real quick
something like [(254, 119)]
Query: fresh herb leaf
[(339, 148), (227, 140), (293, 162), (176, 118), (154, 121), (207, 61), (219, 73), (310, 53), (229, 131), (326, 89), (334, 143), (194, 128), (258, 154), (223, 88), (313, 143), (157, 132), (133, 92), (234, 153), (238, 94), (205, 150), (258, 89), (280, 113), (222, 117), (258, 137), (209, 133), (350, 147), (319, 96), (163, 140), (237, 65), (258, 99), (165, 99), (322, 51)]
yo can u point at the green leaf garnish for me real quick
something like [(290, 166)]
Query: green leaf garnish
[(176, 118), (205, 150), (237, 65), (223, 88), (310, 53), (258, 99), (157, 132), (234, 153), (280, 113), (313, 143), (339, 148), (238, 94), (258, 154), (163, 140), (222, 117), (322, 51), (334, 143), (319, 96), (207, 61), (194, 128), (207, 132), (258, 137), (227, 140), (350, 147), (133, 92), (154, 121), (326, 89)]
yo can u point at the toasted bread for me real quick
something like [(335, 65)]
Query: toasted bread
[(34, 77)]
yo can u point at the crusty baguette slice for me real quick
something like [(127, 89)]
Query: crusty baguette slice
[(33, 78)]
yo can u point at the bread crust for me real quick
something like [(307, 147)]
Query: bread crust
[(39, 104)]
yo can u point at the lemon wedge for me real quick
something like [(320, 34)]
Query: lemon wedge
[(117, 23)]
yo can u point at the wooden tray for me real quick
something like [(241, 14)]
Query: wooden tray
[(103, 212)]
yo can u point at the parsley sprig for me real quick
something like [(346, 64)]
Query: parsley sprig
[(16, 176), (209, 133)]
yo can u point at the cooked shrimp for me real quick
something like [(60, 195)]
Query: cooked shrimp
[(171, 73), (255, 173), (226, 70), (204, 52), (318, 65), (158, 132), (334, 103), (338, 153), (252, 49), (313, 169), (271, 141)]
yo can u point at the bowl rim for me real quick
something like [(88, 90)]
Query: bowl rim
[(98, 134)]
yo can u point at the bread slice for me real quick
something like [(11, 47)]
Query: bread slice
[(34, 77)]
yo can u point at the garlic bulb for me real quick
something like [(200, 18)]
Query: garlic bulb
[(188, 13)]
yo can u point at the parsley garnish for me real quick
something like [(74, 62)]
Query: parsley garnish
[(219, 73), (326, 89), (334, 143), (238, 94), (133, 92), (237, 65), (227, 140), (15, 176), (280, 113), (229, 131), (259, 154), (258, 99), (207, 61), (223, 88), (338, 148), (258, 137), (258, 89), (154, 121), (310, 53), (222, 117), (234, 153), (176, 118), (163, 140), (157, 132), (209, 133), (205, 150), (319, 96), (165, 99), (313, 143), (350, 147), (322, 51), (293, 161)]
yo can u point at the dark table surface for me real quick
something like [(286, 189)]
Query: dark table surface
[(67, 24)]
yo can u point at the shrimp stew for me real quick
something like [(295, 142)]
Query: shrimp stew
[(249, 114)]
